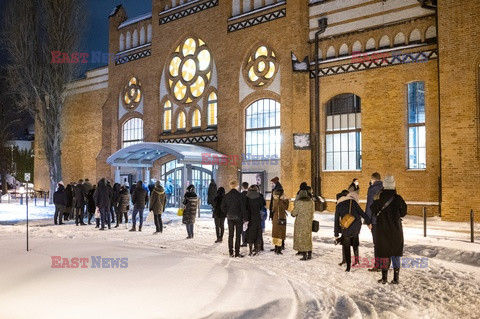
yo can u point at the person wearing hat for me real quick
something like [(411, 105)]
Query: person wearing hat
[(255, 203), (158, 201), (60, 201), (376, 185), (190, 201), (389, 208), (279, 219)]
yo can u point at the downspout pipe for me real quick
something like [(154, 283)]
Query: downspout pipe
[(322, 23)]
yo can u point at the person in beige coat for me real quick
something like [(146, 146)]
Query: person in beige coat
[(158, 201), (302, 234)]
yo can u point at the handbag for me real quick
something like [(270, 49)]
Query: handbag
[(97, 212), (348, 219), (282, 221), (315, 226), (180, 211)]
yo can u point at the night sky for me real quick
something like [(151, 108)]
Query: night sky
[(95, 37)]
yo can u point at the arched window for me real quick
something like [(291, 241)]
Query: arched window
[(142, 36), (135, 39), (196, 119), (122, 43), (181, 121), (343, 133), (132, 132), (212, 109), (167, 116), (128, 45), (417, 157), (149, 33), (262, 131)]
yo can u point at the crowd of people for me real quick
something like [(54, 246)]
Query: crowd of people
[(246, 213)]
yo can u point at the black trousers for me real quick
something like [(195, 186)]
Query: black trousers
[(158, 222), (234, 228), (220, 227), (374, 236), (346, 243)]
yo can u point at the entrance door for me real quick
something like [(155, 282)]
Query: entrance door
[(201, 179)]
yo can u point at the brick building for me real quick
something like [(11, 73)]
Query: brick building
[(397, 94)]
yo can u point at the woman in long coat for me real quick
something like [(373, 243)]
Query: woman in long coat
[(255, 204), (279, 219), (219, 215), (389, 208), (158, 201), (190, 201), (302, 234)]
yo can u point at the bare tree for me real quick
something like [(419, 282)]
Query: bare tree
[(33, 29)]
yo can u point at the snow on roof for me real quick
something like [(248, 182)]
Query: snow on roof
[(115, 10), (135, 20)]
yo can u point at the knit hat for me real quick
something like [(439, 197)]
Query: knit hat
[(61, 183), (303, 186), (157, 184), (275, 180), (389, 182)]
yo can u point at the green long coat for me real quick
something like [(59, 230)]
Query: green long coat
[(302, 233)]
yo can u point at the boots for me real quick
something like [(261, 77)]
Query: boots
[(140, 228), (356, 259), (133, 229), (396, 273), (309, 255), (384, 276), (250, 247), (257, 249), (278, 250), (77, 220), (304, 256), (81, 221)]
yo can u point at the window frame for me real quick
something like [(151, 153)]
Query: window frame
[(140, 129), (416, 125)]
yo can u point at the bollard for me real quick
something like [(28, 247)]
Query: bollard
[(45, 199), (35, 198), (471, 226), (424, 222)]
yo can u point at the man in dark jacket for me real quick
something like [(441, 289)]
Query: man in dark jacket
[(255, 203), (79, 194), (60, 201), (234, 205), (102, 200), (212, 192), (389, 208), (244, 194), (139, 200), (375, 187)]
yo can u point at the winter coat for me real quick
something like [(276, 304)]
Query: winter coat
[(102, 195), (60, 197), (217, 207), (234, 205), (190, 201), (279, 207), (346, 204), (211, 193), (79, 194), (158, 200), (277, 186), (303, 211), (87, 187), (124, 201), (91, 201), (69, 194), (373, 190), (389, 229), (255, 204), (116, 193), (139, 197)]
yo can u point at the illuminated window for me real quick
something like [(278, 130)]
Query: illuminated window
[(167, 116), (181, 121), (132, 132), (212, 109), (343, 133), (263, 129), (189, 70), (196, 119), (417, 157), (132, 94), (261, 66)]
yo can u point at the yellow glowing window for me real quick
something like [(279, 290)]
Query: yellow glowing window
[(261, 66), (167, 116), (212, 109), (189, 47), (198, 87), (132, 94), (196, 119), (181, 121)]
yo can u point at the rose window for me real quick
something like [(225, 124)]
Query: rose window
[(132, 94), (190, 70), (261, 66)]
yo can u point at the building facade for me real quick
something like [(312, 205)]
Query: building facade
[(397, 94)]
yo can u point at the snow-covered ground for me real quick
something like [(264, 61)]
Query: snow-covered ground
[(169, 276)]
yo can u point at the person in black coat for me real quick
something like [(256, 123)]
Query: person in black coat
[(102, 198), (91, 204), (219, 215), (376, 185), (255, 203), (345, 205), (244, 233), (60, 201), (69, 209), (79, 194), (212, 192), (191, 203), (234, 206), (139, 200), (389, 208)]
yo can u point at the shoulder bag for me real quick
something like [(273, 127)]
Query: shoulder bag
[(348, 219)]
